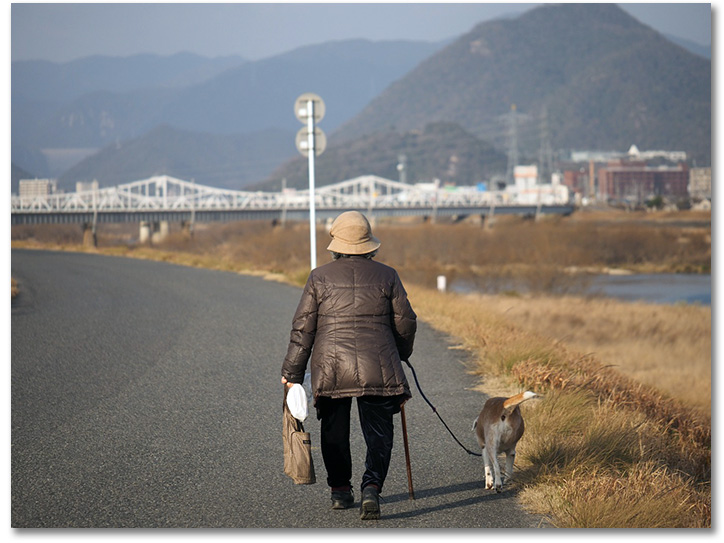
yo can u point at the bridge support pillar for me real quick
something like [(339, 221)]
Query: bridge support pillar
[(144, 232), (160, 231), (89, 235), (152, 232)]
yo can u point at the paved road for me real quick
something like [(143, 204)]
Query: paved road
[(147, 395)]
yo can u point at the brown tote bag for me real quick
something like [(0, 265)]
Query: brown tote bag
[(298, 462)]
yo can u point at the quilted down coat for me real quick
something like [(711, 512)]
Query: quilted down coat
[(356, 322)]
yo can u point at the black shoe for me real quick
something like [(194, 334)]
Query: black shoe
[(370, 508), (342, 499)]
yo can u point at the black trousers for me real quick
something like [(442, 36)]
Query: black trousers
[(375, 414)]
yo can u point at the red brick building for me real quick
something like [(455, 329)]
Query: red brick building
[(634, 181), (577, 180)]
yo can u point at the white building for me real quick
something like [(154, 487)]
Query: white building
[(37, 187), (86, 186), (527, 190), (700, 183)]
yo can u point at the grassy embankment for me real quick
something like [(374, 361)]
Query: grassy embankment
[(622, 438)]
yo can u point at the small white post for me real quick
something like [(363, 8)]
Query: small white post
[(441, 283)]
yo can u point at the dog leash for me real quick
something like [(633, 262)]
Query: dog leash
[(414, 374)]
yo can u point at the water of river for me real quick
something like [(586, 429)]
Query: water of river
[(655, 288), (661, 288)]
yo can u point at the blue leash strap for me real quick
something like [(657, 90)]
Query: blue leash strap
[(417, 383)]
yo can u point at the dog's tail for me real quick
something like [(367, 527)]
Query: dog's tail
[(518, 399)]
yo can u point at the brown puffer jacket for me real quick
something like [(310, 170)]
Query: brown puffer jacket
[(355, 320)]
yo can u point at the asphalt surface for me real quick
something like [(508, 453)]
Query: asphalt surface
[(147, 395)]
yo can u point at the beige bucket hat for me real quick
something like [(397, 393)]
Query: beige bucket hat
[(352, 235)]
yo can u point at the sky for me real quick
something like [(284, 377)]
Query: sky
[(62, 32)]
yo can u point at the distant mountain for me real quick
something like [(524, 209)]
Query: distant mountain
[(346, 74), (225, 161), (92, 121), (602, 79), (77, 104), (254, 96), (441, 151), (64, 82)]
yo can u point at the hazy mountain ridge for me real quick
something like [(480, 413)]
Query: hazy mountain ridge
[(346, 74), (605, 80), (62, 82), (251, 97)]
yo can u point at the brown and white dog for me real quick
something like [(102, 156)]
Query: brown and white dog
[(498, 428)]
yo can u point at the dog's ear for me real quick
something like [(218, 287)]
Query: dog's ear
[(514, 401), (518, 399)]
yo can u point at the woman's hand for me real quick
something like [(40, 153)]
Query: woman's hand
[(285, 382)]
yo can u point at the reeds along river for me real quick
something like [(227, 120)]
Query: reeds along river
[(663, 288)]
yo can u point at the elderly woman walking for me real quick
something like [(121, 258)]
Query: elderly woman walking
[(356, 323)]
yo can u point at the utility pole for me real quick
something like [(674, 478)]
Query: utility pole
[(545, 154), (545, 159)]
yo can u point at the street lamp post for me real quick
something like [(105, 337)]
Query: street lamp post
[(311, 141)]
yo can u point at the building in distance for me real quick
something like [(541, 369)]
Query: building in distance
[(32, 188), (86, 186), (700, 183), (633, 177), (633, 182)]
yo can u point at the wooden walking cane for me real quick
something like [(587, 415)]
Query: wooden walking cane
[(407, 453)]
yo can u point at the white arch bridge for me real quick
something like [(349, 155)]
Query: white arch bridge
[(165, 198)]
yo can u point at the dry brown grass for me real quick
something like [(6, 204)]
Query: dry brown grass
[(534, 253), (531, 253), (595, 465), (14, 288), (595, 429), (533, 359), (646, 496), (595, 454), (665, 346)]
